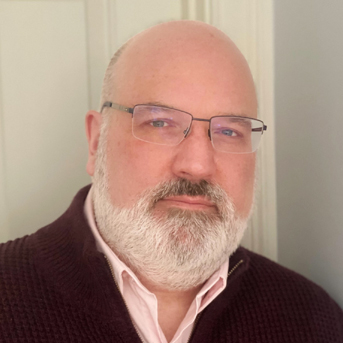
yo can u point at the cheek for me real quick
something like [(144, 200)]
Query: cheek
[(133, 166), (238, 180)]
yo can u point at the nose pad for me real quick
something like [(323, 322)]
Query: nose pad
[(186, 132)]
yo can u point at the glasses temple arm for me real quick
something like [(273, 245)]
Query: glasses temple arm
[(258, 129), (116, 107)]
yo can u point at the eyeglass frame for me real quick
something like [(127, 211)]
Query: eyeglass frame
[(131, 110)]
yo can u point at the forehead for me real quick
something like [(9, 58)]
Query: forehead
[(186, 71)]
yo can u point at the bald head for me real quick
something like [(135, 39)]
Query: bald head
[(178, 51)]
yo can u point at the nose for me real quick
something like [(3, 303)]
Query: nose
[(194, 157)]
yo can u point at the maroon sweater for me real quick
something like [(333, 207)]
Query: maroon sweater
[(56, 287)]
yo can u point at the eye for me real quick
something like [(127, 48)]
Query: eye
[(159, 123), (228, 132)]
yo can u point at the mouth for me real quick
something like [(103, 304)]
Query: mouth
[(195, 203)]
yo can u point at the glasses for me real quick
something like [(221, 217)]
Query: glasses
[(168, 126)]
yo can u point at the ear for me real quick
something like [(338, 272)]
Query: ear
[(93, 126)]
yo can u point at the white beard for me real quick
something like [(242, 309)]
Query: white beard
[(177, 250)]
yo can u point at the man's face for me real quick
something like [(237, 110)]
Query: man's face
[(179, 239), (203, 87)]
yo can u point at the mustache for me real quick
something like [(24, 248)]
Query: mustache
[(185, 187)]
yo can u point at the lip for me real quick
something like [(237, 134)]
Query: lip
[(189, 202)]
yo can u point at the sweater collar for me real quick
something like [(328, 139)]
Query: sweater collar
[(71, 263)]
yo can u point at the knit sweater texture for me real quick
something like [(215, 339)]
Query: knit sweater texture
[(56, 287)]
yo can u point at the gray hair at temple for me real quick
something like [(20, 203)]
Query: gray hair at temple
[(109, 78)]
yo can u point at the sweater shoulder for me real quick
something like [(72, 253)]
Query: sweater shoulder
[(24, 259), (19, 275), (272, 274), (290, 292), (17, 254)]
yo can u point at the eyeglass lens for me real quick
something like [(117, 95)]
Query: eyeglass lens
[(168, 126)]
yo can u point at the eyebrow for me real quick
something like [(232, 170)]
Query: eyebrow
[(160, 104), (157, 103), (240, 116), (242, 121)]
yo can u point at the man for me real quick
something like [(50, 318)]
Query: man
[(149, 252)]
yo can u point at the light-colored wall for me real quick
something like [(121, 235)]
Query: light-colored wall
[(53, 55), (309, 139)]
